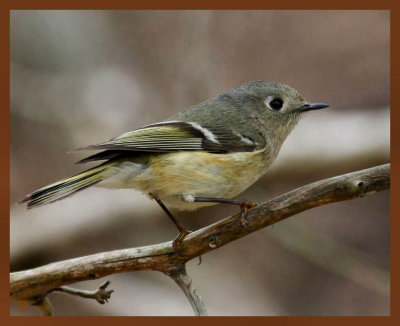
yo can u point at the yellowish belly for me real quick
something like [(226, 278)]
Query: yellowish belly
[(172, 176)]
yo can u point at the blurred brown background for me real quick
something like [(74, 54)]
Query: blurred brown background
[(81, 77)]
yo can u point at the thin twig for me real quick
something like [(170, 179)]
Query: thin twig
[(101, 295), (181, 278), (161, 257)]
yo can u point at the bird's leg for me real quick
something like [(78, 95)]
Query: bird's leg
[(182, 231), (245, 205)]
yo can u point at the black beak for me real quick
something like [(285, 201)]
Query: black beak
[(312, 106)]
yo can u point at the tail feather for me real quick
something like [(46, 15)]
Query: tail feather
[(65, 188)]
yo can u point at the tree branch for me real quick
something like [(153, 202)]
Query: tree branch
[(181, 278), (29, 284)]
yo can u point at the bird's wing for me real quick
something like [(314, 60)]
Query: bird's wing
[(170, 136)]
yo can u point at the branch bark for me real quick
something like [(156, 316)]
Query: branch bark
[(26, 285)]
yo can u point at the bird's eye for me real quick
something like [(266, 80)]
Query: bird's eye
[(276, 104)]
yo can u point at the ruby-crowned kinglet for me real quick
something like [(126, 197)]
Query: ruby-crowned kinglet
[(203, 155)]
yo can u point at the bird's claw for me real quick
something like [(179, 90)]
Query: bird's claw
[(177, 242), (244, 208)]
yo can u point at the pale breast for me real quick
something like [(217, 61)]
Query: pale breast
[(202, 174), (172, 177)]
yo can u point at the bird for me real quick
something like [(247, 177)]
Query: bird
[(201, 156)]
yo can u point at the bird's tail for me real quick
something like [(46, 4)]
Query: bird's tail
[(66, 187)]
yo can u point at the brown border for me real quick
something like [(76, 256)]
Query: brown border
[(4, 121), (5, 163)]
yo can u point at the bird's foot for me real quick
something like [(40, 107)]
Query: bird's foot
[(177, 242), (244, 208)]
